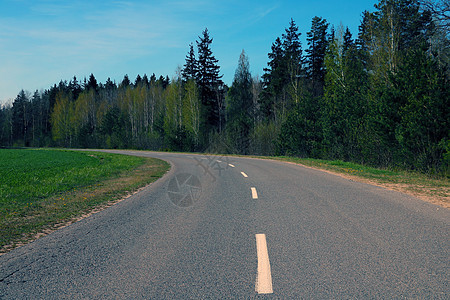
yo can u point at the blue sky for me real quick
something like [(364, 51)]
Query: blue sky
[(45, 41)]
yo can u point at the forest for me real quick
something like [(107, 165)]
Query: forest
[(379, 98)]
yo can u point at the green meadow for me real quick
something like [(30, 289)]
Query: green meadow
[(42, 188)]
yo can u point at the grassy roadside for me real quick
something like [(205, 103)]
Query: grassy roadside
[(42, 189), (422, 186), (434, 190)]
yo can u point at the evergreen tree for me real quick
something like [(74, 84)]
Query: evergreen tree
[(211, 87), (423, 129), (164, 81), (190, 67), (145, 80), (317, 41), (138, 80), (342, 106), (75, 88), (92, 83), (292, 60), (240, 107), (274, 80), (390, 32), (282, 86), (21, 116), (6, 128), (114, 127), (348, 42), (125, 82)]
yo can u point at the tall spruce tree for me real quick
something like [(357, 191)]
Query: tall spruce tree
[(274, 80), (342, 106), (240, 107), (293, 60), (317, 41), (21, 116), (92, 83), (390, 32), (211, 87), (423, 127), (190, 67), (281, 81)]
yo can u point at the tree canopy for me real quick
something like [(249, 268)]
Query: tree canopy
[(378, 97)]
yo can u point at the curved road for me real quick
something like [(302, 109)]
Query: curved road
[(227, 227)]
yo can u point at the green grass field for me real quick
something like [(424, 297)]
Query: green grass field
[(40, 188)]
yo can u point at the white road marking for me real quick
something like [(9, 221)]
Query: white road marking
[(219, 161), (231, 165), (254, 193), (264, 277), (243, 174)]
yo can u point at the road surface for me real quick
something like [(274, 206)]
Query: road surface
[(228, 227)]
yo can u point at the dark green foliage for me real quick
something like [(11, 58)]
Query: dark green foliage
[(21, 113), (317, 41), (300, 134), (385, 100), (380, 100), (423, 128), (190, 70), (343, 107), (274, 80), (125, 82), (211, 87), (75, 87), (240, 108), (6, 135), (92, 83), (282, 86)]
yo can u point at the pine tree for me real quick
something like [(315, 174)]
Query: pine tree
[(274, 80), (317, 42), (190, 67), (423, 128), (75, 88), (125, 82), (211, 87), (387, 35), (5, 125), (293, 59), (21, 115), (92, 83), (145, 80), (240, 107), (342, 106), (138, 80), (282, 83)]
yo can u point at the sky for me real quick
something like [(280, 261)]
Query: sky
[(44, 41)]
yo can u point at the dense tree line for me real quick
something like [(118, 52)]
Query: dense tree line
[(381, 98)]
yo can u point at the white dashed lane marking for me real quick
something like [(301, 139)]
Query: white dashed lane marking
[(264, 277), (254, 193)]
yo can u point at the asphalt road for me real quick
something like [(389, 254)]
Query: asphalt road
[(276, 230)]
